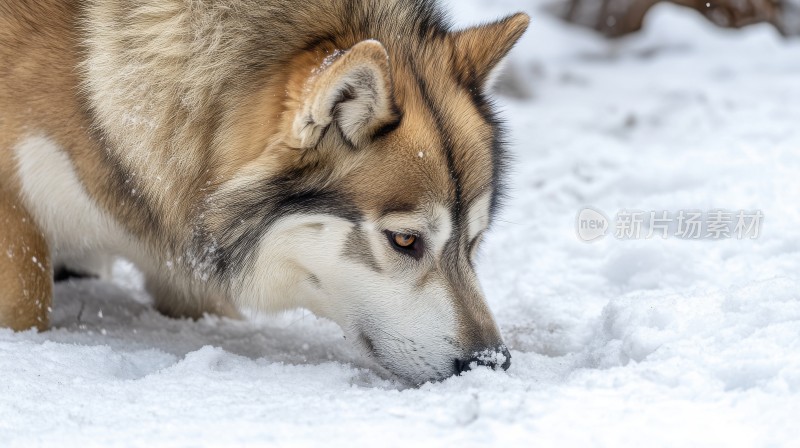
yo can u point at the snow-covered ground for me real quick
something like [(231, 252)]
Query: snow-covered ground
[(650, 342)]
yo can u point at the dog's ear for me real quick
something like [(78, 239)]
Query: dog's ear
[(479, 50), (351, 90)]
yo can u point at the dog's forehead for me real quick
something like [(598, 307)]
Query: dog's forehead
[(441, 153), (461, 137)]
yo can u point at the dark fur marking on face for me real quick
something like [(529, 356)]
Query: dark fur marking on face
[(357, 247), (447, 144), (368, 344), (397, 207), (253, 213), (314, 280)]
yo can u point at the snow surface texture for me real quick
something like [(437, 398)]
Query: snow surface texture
[(615, 343)]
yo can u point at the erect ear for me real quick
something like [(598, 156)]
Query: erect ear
[(351, 90), (480, 49)]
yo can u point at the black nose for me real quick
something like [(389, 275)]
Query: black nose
[(489, 357)]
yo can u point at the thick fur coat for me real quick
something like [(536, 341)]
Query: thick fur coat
[(338, 156)]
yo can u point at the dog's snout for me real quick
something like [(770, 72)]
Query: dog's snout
[(489, 357)]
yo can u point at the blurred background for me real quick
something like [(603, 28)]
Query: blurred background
[(614, 18)]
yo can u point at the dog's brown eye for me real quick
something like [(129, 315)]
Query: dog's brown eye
[(406, 243), (404, 239)]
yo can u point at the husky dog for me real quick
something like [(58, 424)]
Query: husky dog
[(339, 156)]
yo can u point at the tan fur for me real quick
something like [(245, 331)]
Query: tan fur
[(26, 275)]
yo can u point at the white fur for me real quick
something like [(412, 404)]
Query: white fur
[(478, 215), (289, 251), (412, 329), (73, 224), (494, 76)]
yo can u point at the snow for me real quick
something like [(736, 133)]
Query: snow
[(650, 342)]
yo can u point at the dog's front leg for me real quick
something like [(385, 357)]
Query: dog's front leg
[(26, 275), (191, 303)]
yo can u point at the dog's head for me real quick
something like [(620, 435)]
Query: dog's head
[(369, 205)]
